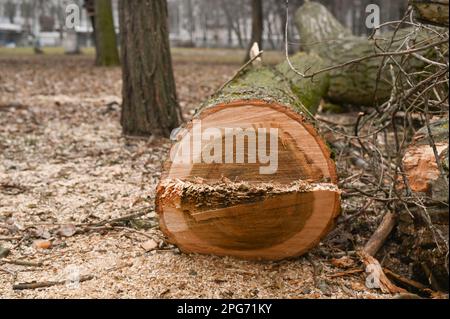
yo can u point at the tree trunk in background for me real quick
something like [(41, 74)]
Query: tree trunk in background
[(89, 6), (150, 104), (106, 42), (270, 34), (257, 26), (432, 11), (70, 42)]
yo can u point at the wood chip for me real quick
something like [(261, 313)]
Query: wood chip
[(149, 245), (42, 244)]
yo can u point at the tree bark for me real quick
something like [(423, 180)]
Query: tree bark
[(432, 11), (425, 233), (70, 42), (106, 42), (229, 207), (257, 26), (318, 27), (150, 104), (322, 33)]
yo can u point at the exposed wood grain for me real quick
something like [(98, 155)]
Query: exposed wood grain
[(232, 209)]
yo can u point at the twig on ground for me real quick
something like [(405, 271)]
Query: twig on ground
[(380, 235), (22, 262), (140, 212), (45, 284)]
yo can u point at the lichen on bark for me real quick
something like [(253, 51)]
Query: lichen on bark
[(279, 85)]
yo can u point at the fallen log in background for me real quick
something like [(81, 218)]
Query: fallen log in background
[(432, 11), (357, 83), (226, 207), (426, 174)]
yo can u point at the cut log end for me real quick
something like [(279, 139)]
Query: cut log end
[(261, 184)]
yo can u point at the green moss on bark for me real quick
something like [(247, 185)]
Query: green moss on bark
[(280, 85), (106, 43), (357, 83)]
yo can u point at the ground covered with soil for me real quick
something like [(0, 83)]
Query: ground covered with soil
[(68, 176)]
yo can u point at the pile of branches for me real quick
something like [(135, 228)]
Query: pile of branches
[(383, 134)]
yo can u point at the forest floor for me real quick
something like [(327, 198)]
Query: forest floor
[(66, 171)]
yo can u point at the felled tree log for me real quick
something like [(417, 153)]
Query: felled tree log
[(426, 246), (432, 11), (355, 83), (321, 33), (271, 197), (424, 173)]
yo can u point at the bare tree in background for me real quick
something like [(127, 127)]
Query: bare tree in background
[(10, 10), (190, 20), (257, 26), (150, 105)]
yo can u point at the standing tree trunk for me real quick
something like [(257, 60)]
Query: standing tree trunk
[(150, 104), (257, 26), (105, 42)]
